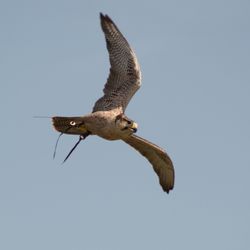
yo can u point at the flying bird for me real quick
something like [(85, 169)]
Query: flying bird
[(108, 119)]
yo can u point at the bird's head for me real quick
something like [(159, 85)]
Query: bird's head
[(126, 125)]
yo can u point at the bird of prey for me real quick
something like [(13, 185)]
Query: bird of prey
[(107, 119)]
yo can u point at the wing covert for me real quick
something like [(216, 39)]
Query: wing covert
[(125, 75)]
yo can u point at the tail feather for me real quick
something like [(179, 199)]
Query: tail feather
[(69, 125)]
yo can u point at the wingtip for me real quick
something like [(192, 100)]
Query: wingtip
[(105, 18), (169, 185), (166, 189), (102, 16)]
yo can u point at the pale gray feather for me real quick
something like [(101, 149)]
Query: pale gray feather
[(125, 76)]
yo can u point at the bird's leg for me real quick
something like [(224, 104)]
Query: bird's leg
[(81, 137)]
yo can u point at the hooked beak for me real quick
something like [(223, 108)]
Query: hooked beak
[(134, 127)]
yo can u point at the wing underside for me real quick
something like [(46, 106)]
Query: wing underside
[(125, 76), (159, 159)]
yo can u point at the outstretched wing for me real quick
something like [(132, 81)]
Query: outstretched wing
[(159, 159), (125, 76)]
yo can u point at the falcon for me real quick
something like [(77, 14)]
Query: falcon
[(108, 119)]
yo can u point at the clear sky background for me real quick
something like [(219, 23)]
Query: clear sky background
[(194, 102)]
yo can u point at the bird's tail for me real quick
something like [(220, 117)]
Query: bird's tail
[(69, 125)]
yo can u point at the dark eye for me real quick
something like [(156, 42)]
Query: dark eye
[(72, 123), (119, 117), (129, 122)]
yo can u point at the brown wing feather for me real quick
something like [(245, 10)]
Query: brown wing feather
[(125, 76), (159, 159)]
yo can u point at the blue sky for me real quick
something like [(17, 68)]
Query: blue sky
[(194, 102)]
